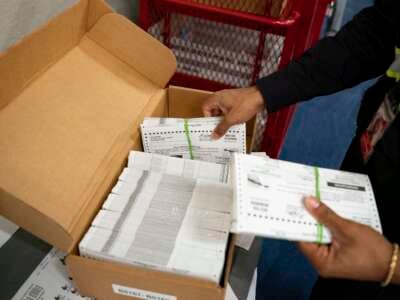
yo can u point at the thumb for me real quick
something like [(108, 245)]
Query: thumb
[(324, 215), (222, 127)]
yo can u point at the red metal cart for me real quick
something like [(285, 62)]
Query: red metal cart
[(230, 43)]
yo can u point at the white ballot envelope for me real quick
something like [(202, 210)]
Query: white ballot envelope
[(269, 193), (191, 138)]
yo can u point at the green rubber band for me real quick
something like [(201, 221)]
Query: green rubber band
[(186, 125), (320, 227)]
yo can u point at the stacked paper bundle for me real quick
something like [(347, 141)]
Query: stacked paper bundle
[(268, 198), (191, 138), (159, 216)]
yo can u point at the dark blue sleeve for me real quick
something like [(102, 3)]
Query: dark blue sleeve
[(362, 50)]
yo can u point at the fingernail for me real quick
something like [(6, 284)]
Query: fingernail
[(312, 202), (215, 136)]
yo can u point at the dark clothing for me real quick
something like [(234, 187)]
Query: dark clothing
[(363, 49), (385, 179), (339, 289), (383, 168)]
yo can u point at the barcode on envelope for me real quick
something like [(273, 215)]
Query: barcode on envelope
[(34, 292)]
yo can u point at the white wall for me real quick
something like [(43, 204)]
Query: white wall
[(20, 17)]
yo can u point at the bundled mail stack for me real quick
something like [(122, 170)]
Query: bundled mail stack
[(191, 138), (269, 198), (165, 213)]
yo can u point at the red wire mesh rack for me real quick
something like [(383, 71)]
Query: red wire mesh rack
[(312, 14), (228, 43)]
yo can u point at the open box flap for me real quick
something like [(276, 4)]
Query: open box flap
[(135, 47), (68, 119)]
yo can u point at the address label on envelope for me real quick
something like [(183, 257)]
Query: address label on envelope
[(141, 294)]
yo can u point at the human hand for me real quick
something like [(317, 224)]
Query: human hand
[(237, 105), (357, 251)]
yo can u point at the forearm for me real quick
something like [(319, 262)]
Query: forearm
[(362, 50)]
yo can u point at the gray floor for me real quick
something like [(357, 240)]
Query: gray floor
[(20, 17)]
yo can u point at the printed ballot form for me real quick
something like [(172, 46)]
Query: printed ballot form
[(191, 139), (268, 198), (167, 214)]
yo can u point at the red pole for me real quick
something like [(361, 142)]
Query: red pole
[(278, 122), (144, 14), (167, 30), (307, 33)]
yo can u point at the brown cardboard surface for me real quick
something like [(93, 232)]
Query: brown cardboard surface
[(22, 63), (135, 47), (68, 118), (157, 107), (95, 278), (185, 102), (60, 128)]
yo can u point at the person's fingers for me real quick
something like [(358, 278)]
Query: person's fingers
[(308, 249), (216, 112), (223, 127), (207, 114), (315, 253), (211, 105), (208, 110), (324, 215)]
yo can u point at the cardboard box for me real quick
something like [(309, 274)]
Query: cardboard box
[(72, 97)]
